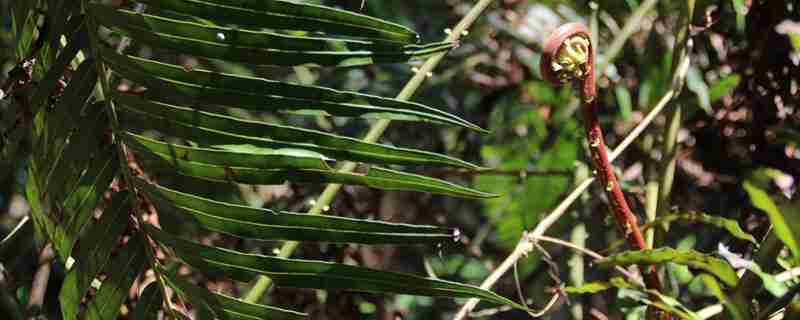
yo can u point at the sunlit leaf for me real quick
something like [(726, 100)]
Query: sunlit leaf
[(256, 47), (209, 128), (93, 253), (376, 177), (77, 40), (729, 225), (202, 87), (228, 308), (723, 87), (786, 226), (317, 274), (253, 158), (279, 14), (265, 224), (639, 294), (691, 258)]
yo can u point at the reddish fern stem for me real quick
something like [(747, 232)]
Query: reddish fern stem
[(569, 56)]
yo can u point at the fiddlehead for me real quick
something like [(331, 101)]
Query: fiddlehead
[(568, 57), (567, 54)]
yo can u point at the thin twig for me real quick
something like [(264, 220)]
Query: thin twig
[(490, 312), (553, 272), (40, 280), (523, 248), (632, 277)]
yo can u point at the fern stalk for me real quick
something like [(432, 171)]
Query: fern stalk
[(376, 130), (568, 57)]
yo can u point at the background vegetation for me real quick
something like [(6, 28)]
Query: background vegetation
[(738, 125)]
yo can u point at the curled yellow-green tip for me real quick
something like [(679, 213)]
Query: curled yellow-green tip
[(572, 60)]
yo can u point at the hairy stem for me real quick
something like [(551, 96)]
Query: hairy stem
[(569, 57), (626, 221), (375, 132)]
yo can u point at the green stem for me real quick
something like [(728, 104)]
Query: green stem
[(633, 24), (651, 205), (669, 149), (375, 132), (576, 263), (669, 160)]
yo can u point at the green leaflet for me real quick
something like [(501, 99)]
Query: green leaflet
[(786, 226), (597, 287), (639, 294), (225, 307), (317, 274), (724, 86), (255, 47), (93, 253), (240, 310), (691, 258), (376, 177), (660, 301), (55, 127), (277, 14), (47, 81), (85, 143), (770, 283), (23, 24), (730, 225), (255, 158), (125, 267), (80, 204), (81, 173), (45, 221), (62, 221), (212, 128), (201, 87), (77, 40), (257, 223)]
